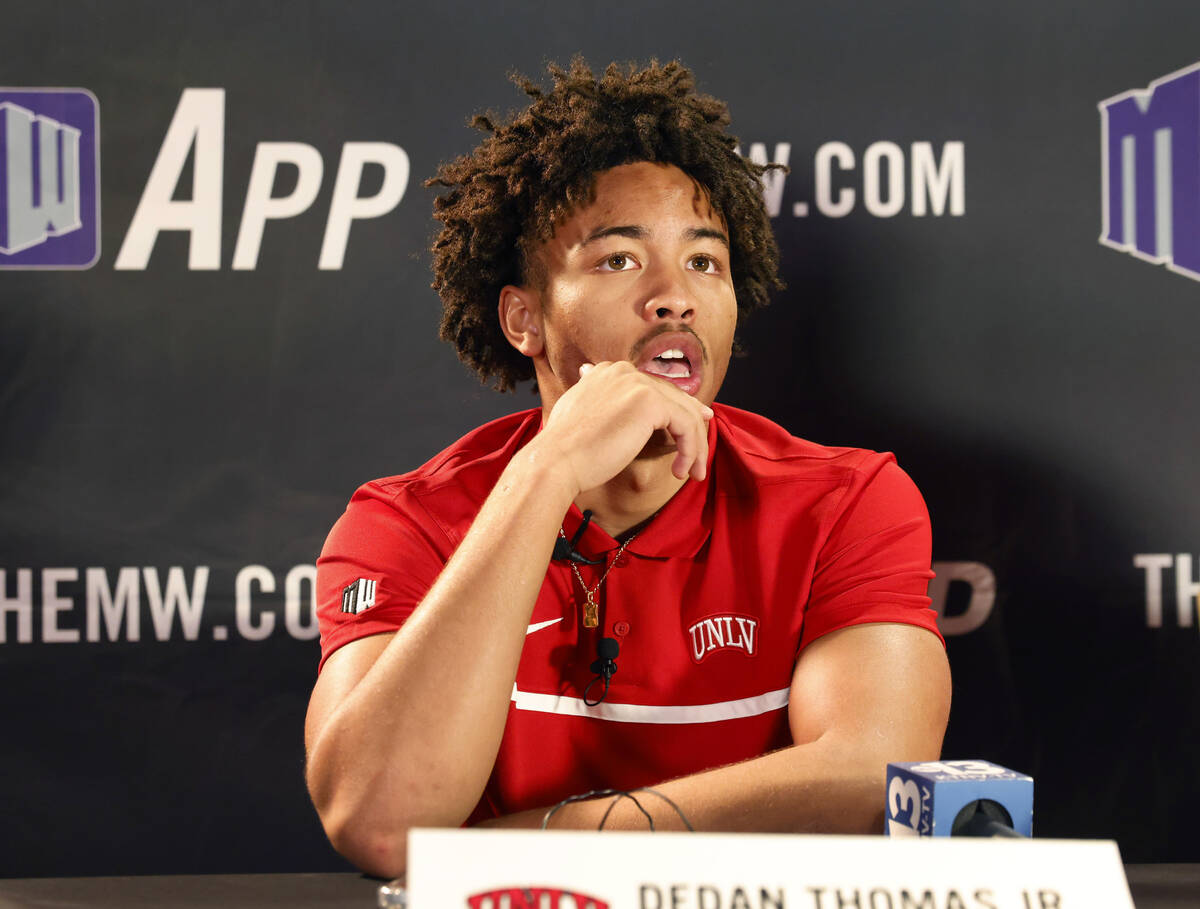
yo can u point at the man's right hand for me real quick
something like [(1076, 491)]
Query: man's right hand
[(607, 418)]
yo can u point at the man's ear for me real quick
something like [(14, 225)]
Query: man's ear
[(521, 319)]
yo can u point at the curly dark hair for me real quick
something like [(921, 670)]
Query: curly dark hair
[(505, 197)]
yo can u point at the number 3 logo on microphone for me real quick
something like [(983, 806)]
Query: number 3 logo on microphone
[(904, 807)]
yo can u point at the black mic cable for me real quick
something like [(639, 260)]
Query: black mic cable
[(605, 666), (564, 549)]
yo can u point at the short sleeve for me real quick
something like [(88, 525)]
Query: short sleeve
[(874, 565), (379, 560)]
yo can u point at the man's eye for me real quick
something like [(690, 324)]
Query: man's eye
[(618, 262), (704, 264)]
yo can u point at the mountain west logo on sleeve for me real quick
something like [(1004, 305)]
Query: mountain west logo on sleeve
[(49, 178), (1150, 148), (358, 596), (723, 632)]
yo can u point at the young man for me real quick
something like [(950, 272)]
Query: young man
[(766, 595)]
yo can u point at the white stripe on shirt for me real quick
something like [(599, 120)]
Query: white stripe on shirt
[(672, 714)]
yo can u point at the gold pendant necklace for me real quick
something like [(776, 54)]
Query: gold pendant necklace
[(591, 606)]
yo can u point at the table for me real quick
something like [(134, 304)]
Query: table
[(192, 891), (1153, 887)]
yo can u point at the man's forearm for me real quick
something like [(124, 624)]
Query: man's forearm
[(860, 697), (800, 789), (414, 740)]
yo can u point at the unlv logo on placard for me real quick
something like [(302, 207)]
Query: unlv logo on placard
[(49, 199), (534, 898)]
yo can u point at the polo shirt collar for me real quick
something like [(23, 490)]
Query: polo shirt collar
[(680, 528)]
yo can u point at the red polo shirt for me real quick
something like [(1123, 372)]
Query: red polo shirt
[(711, 602)]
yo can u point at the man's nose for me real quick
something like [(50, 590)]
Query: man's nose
[(670, 299)]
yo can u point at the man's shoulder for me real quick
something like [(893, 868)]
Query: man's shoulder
[(466, 469), (777, 474), (768, 453)]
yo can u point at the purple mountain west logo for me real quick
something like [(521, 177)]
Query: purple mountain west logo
[(1150, 148), (49, 178)]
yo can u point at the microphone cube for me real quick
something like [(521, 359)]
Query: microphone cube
[(925, 797)]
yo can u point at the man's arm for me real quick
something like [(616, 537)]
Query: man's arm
[(860, 697), (403, 729)]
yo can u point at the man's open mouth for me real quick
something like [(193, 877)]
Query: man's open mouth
[(676, 356), (673, 364)]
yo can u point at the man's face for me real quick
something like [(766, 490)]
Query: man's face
[(642, 274)]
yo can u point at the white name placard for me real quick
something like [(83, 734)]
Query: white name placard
[(528, 869)]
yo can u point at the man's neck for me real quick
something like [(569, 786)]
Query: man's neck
[(633, 496)]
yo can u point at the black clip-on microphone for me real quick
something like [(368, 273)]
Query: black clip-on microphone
[(605, 666), (607, 649), (564, 549)]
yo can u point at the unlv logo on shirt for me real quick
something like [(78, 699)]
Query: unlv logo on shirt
[(723, 632)]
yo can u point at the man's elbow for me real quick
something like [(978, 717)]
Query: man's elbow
[(375, 842), (370, 829), (381, 851)]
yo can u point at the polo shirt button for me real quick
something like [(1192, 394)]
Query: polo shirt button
[(621, 629)]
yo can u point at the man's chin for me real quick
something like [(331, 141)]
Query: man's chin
[(659, 445)]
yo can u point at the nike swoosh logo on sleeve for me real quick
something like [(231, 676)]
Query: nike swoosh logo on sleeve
[(538, 626)]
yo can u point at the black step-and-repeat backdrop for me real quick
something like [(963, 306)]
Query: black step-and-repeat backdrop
[(216, 321)]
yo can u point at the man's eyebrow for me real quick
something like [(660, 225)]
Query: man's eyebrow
[(698, 233), (633, 231), (637, 232)]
